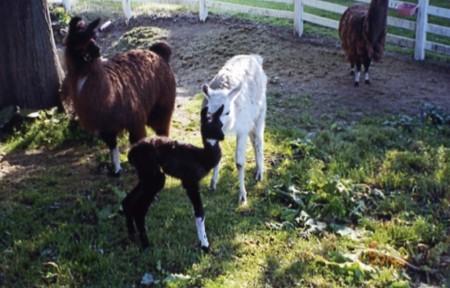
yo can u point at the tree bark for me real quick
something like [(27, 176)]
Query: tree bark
[(30, 72)]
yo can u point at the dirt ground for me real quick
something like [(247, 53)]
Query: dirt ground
[(310, 66)]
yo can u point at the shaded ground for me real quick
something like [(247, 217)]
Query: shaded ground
[(297, 67)]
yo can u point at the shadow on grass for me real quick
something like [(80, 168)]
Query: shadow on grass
[(60, 223)]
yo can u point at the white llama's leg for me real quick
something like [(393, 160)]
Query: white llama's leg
[(257, 138), (214, 178), (201, 231), (115, 158), (241, 144)]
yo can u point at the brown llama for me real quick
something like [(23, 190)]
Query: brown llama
[(362, 31), (127, 92), (155, 157)]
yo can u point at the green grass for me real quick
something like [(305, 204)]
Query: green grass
[(385, 179)]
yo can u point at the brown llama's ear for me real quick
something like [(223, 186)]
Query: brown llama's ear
[(75, 24), (93, 25)]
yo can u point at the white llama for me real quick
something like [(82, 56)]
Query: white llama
[(240, 86)]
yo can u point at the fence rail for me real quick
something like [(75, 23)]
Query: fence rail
[(438, 11), (420, 26)]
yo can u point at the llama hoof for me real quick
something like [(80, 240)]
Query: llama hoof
[(367, 82), (356, 84), (258, 176), (132, 238), (145, 245), (243, 201), (113, 174), (204, 248)]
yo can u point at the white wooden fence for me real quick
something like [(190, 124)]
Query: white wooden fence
[(421, 26)]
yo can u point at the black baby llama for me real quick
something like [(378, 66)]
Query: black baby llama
[(127, 92), (363, 31), (155, 157)]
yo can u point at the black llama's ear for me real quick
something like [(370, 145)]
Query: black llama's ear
[(205, 90)]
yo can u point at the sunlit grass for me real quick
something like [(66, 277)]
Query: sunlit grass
[(62, 225)]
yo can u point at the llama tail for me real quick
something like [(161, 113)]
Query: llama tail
[(162, 49)]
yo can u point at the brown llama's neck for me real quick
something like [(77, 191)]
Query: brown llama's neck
[(79, 68), (377, 17)]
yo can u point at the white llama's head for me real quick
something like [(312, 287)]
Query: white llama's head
[(216, 98)]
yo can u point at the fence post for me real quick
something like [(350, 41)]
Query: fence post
[(421, 30), (67, 5), (126, 7), (298, 17), (203, 10)]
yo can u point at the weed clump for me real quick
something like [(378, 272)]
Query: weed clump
[(138, 38), (46, 129)]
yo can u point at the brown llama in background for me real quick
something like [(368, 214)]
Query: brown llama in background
[(362, 31), (127, 92)]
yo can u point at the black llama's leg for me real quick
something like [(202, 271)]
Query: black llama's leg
[(142, 203), (193, 193), (358, 73), (150, 188), (128, 206), (127, 210), (111, 140), (140, 224), (366, 71)]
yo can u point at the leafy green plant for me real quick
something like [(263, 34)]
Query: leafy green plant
[(59, 14), (46, 129), (139, 37)]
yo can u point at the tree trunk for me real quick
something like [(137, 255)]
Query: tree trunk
[(30, 72)]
